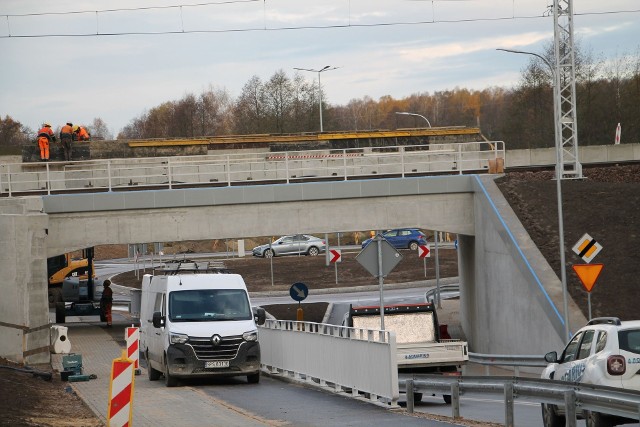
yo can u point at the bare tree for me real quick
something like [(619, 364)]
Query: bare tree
[(249, 109), (279, 98), (99, 129)]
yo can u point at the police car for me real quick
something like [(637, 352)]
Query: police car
[(605, 352)]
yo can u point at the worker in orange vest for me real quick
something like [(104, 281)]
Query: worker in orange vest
[(81, 133), (45, 136), (66, 137)]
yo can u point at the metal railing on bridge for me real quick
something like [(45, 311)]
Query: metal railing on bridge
[(17, 179)]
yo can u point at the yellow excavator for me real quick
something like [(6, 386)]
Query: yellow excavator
[(71, 281)]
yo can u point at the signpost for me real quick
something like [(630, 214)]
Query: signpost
[(587, 248), (379, 259), (588, 274), (299, 291), (424, 252), (335, 257)]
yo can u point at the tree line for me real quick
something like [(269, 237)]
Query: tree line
[(607, 93)]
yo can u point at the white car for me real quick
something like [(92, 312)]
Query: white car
[(605, 352)]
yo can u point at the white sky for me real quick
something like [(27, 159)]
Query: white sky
[(432, 45)]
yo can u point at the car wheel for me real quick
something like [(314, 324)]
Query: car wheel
[(447, 398), (154, 375), (169, 381), (268, 253), (550, 418), (413, 246), (61, 312), (313, 251), (596, 419), (253, 378)]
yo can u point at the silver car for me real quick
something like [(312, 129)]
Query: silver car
[(297, 244)]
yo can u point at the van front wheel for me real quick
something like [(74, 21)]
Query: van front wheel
[(154, 375), (169, 381), (253, 378)]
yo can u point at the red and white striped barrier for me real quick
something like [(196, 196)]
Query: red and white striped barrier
[(132, 337), (121, 384), (313, 156)]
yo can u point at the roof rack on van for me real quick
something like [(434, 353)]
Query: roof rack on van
[(605, 321), (192, 267)]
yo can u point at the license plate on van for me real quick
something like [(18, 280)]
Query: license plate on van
[(217, 364)]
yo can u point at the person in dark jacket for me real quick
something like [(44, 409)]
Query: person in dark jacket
[(106, 302), (66, 138)]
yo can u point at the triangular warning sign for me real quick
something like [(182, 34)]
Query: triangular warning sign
[(588, 274)]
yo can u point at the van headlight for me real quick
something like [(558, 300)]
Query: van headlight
[(250, 336), (178, 338)]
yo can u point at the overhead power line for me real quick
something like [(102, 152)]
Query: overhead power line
[(265, 28)]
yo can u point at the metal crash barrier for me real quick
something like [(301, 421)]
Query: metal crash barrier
[(607, 400), (362, 362)]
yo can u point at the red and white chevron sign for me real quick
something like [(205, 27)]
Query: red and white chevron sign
[(424, 251), (120, 410), (132, 337), (336, 255)]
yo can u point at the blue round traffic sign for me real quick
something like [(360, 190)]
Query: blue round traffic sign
[(299, 291)]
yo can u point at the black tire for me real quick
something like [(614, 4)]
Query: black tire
[(268, 253), (60, 312), (413, 246), (447, 398), (313, 251), (596, 419), (154, 375), (417, 397), (169, 381), (550, 417), (253, 378), (55, 296)]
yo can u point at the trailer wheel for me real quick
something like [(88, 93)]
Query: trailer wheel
[(60, 312), (55, 296)]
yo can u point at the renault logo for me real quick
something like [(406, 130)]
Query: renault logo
[(216, 339)]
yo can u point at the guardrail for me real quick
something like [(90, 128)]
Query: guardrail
[(298, 350), (516, 361), (573, 396), (242, 168)]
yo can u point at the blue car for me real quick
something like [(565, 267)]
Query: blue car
[(403, 238)]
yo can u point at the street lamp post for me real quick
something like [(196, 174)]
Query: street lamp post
[(326, 68), (558, 143), (404, 113)]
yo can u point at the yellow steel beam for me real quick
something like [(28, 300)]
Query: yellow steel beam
[(328, 136), (167, 142)]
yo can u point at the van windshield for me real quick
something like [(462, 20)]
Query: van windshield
[(206, 305)]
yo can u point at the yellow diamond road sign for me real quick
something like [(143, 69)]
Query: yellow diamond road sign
[(587, 248)]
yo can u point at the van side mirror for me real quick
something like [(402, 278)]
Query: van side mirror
[(551, 357), (260, 316), (157, 319)]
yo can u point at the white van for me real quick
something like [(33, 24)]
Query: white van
[(196, 325)]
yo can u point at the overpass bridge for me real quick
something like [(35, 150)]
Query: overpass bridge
[(510, 297)]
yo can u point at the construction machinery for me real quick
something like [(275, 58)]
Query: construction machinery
[(72, 286)]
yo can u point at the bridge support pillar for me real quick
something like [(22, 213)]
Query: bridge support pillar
[(24, 305)]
